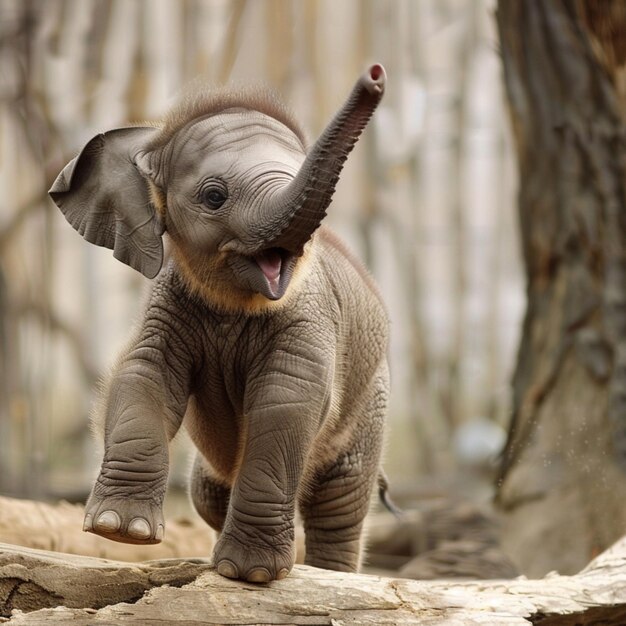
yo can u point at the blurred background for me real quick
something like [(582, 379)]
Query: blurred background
[(427, 200)]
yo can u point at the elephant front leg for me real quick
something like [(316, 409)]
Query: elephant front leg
[(257, 541), (127, 499)]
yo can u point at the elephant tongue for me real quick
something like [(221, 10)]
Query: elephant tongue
[(270, 261)]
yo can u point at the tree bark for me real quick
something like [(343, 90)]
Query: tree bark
[(45, 588), (562, 482)]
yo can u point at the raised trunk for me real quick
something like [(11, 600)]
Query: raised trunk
[(562, 483), (299, 209)]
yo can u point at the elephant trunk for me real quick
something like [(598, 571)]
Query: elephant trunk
[(298, 209)]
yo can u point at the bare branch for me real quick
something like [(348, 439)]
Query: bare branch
[(16, 221), (42, 311)]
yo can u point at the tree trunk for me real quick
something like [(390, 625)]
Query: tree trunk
[(562, 482), (39, 587)]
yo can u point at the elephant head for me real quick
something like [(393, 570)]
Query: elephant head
[(227, 176)]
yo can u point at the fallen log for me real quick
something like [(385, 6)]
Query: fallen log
[(32, 579), (59, 528), (63, 589)]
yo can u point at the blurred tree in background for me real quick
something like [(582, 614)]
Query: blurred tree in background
[(562, 479)]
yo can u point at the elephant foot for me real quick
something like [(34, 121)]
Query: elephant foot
[(256, 564), (124, 519)]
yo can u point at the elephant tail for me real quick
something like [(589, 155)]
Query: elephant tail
[(383, 494)]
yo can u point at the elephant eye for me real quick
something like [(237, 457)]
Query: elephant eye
[(213, 197)]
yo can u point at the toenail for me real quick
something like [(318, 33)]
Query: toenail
[(282, 573), (259, 575), (139, 528), (109, 522), (159, 533), (88, 523), (228, 569)]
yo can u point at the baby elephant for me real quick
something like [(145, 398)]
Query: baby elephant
[(262, 333)]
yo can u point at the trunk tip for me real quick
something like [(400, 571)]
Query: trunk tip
[(375, 79)]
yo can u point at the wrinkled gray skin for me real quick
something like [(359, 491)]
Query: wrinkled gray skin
[(262, 335)]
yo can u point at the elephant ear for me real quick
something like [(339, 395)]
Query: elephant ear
[(106, 198)]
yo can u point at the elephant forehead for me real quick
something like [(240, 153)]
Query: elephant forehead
[(239, 136)]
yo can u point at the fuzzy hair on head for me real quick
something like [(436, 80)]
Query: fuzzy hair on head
[(202, 100)]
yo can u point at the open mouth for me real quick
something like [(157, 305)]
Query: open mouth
[(276, 267)]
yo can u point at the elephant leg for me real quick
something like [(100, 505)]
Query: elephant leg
[(210, 497), (283, 408), (334, 512), (126, 502), (257, 541), (338, 499)]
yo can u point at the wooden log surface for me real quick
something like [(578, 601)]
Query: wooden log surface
[(59, 528), (87, 591)]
